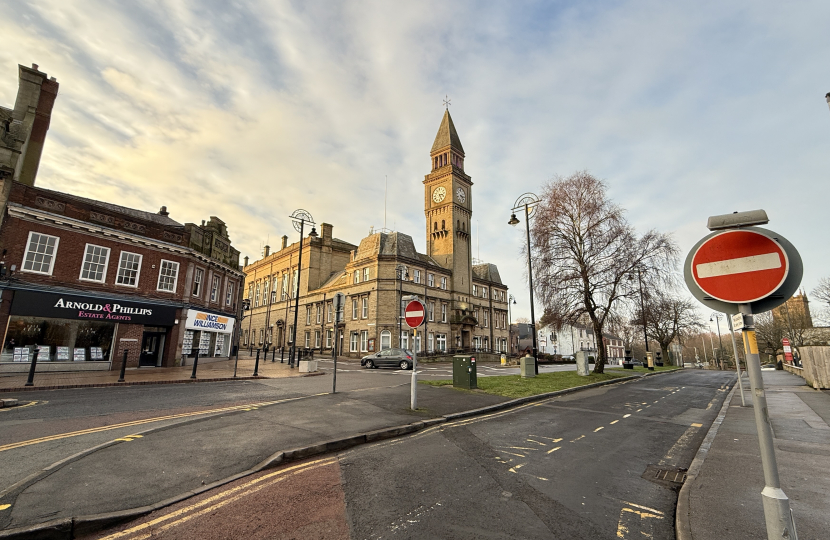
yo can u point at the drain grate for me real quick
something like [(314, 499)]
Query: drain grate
[(670, 477)]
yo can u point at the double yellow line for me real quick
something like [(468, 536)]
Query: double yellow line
[(211, 504), (89, 431)]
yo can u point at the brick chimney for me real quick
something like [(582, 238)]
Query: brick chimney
[(284, 242), (35, 98), (266, 251)]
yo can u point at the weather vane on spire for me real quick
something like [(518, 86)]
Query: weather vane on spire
[(447, 102)]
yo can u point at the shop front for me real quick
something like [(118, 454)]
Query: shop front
[(209, 333), (69, 332)]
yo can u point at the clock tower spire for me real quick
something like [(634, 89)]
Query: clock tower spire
[(448, 207)]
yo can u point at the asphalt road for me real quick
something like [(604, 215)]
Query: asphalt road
[(569, 467)]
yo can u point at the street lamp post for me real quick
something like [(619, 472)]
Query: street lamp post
[(528, 202), (716, 317), (300, 218)]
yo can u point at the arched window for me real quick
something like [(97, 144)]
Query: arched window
[(458, 224), (435, 228), (443, 225), (385, 340)]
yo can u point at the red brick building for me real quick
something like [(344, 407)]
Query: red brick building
[(82, 281)]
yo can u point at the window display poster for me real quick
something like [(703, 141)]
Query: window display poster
[(187, 344), (204, 343), (80, 354), (371, 344), (220, 344), (21, 354), (96, 353), (63, 354), (43, 352)]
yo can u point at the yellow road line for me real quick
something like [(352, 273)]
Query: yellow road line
[(296, 469), (5, 506), (626, 415), (18, 407), (553, 450), (614, 422), (59, 436), (599, 428)]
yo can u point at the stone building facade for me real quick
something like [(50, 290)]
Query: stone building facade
[(466, 304)]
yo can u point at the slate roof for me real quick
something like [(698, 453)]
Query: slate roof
[(132, 212), (487, 272), (447, 135)]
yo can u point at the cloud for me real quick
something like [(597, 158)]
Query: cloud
[(249, 110)]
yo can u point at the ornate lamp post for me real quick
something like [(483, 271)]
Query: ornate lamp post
[(300, 218), (528, 202)]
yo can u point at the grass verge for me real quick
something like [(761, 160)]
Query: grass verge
[(513, 386)]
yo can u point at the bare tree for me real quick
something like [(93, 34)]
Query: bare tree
[(583, 252), (822, 291), (769, 331), (668, 317)]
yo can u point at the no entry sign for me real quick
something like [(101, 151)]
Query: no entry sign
[(747, 265), (739, 266), (414, 314)]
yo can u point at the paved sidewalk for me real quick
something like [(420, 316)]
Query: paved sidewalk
[(725, 497), (205, 371)]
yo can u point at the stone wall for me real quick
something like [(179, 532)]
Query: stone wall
[(816, 366)]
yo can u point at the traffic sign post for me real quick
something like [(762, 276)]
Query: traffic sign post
[(414, 317), (744, 269), (788, 350)]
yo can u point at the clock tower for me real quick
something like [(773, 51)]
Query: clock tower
[(448, 209)]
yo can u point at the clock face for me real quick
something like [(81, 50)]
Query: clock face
[(460, 195), (439, 194)]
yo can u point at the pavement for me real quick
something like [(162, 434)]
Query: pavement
[(723, 497)]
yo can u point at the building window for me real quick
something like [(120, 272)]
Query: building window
[(199, 274), (329, 337), (475, 314), (40, 253), (365, 308), (245, 334), (475, 290), (356, 277), (128, 269), (431, 280), (385, 340), (354, 309), (431, 311), (364, 340), (308, 340), (168, 276), (353, 342), (284, 286), (229, 295), (256, 297), (250, 291), (365, 274), (484, 292), (214, 289), (404, 340), (295, 284), (442, 342), (329, 310), (291, 334), (317, 339), (443, 313), (96, 259), (274, 290), (261, 335), (416, 276), (431, 342), (308, 315), (444, 283), (319, 314)]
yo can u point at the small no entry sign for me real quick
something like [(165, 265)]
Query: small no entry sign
[(414, 314), (740, 266)]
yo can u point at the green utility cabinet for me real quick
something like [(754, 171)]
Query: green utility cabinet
[(464, 372)]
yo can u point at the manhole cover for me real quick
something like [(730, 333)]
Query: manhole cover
[(670, 477)]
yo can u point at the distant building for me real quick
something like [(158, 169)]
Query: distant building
[(794, 313)]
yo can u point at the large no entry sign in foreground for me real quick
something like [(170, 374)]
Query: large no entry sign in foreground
[(743, 266), (414, 314)]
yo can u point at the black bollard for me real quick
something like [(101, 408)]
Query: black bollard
[(123, 366), (256, 365), (31, 380), (195, 363), (274, 354), (282, 355)]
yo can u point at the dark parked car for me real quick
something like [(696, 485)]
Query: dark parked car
[(398, 358)]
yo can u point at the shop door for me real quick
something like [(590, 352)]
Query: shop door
[(151, 346)]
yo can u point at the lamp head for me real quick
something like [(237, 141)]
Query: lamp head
[(513, 220), (313, 233)]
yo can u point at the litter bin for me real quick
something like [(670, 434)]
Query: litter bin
[(582, 367), (503, 359), (464, 372), (527, 366)]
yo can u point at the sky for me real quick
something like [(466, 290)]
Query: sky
[(248, 110)]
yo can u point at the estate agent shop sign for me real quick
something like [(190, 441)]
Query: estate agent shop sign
[(199, 320), (66, 306)]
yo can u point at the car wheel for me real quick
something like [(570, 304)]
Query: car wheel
[(404, 364), (370, 364)]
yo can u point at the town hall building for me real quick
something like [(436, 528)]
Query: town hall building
[(466, 303)]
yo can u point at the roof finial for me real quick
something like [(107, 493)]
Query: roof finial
[(447, 102)]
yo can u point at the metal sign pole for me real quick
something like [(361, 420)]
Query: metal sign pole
[(737, 361), (413, 394), (779, 519)]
